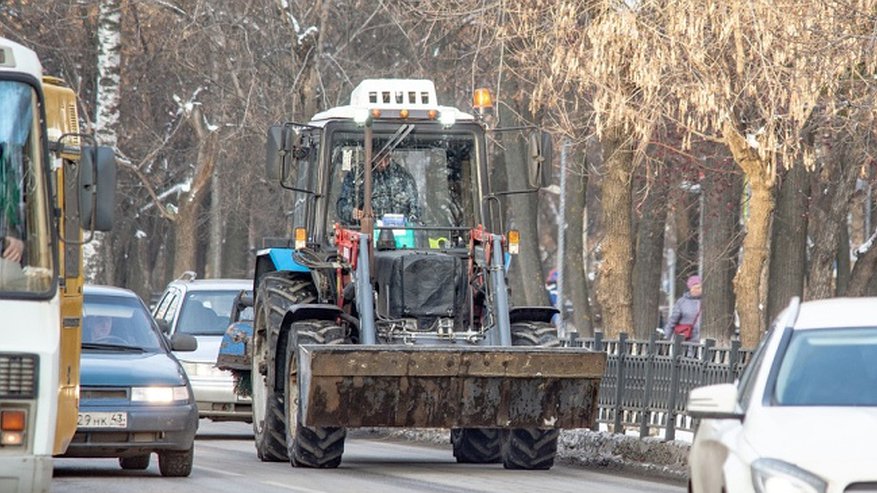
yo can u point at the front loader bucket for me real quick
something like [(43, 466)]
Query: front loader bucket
[(449, 387)]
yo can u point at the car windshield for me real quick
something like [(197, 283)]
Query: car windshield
[(118, 321), (206, 312), (829, 368)]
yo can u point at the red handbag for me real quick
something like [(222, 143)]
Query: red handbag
[(685, 330)]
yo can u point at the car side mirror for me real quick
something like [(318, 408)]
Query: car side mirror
[(184, 342), (714, 402)]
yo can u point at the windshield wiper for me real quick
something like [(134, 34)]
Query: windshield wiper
[(111, 347)]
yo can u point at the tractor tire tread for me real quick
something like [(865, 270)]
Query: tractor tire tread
[(279, 292), (531, 448), (477, 445), (317, 447)]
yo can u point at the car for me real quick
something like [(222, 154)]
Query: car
[(202, 308), (135, 398), (803, 415)]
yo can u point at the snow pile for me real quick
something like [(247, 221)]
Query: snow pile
[(650, 456)]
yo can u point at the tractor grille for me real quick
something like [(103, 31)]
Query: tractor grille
[(18, 376)]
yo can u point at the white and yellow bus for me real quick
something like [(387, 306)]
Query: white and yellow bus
[(51, 189)]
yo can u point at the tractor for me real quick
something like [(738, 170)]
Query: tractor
[(401, 318)]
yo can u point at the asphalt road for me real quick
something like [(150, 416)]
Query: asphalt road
[(225, 462)]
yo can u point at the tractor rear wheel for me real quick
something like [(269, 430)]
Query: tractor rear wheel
[(318, 447), (531, 448), (277, 292), (476, 445)]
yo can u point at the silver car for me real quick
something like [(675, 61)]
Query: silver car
[(201, 307)]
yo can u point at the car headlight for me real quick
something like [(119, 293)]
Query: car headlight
[(159, 395), (203, 370), (776, 476)]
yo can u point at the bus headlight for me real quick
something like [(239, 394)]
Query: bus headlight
[(12, 427)]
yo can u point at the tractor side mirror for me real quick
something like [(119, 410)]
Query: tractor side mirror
[(284, 149), (275, 151), (539, 158), (97, 188)]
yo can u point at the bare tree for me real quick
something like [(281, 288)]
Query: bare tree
[(746, 74)]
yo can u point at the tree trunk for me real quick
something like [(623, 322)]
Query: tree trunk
[(576, 277), (217, 225), (788, 254), (843, 259), (721, 216), (616, 269), (186, 244), (106, 122), (186, 224), (525, 275), (862, 277), (748, 281), (686, 220), (652, 212), (832, 188)]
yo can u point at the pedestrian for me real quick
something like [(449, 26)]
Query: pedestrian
[(685, 316)]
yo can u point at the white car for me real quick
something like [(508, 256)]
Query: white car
[(803, 416), (201, 308)]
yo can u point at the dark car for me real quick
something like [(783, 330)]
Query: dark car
[(135, 398)]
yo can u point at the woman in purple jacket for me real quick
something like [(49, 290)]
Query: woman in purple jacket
[(685, 317)]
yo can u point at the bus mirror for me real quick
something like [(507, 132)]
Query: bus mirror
[(97, 188)]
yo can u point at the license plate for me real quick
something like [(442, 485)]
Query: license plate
[(102, 420)]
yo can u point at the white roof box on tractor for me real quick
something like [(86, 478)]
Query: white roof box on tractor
[(415, 97)]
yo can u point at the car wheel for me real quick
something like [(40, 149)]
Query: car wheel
[(176, 463), (135, 463)]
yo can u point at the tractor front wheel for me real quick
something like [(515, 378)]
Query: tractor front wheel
[(277, 292), (476, 445), (318, 447), (531, 448)]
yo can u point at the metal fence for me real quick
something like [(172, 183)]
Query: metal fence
[(646, 383)]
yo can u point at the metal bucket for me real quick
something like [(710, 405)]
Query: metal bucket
[(449, 387)]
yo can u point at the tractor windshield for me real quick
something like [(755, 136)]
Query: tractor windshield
[(26, 257), (420, 180)]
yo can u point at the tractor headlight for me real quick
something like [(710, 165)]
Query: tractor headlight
[(776, 476), (159, 395), (448, 118), (361, 116)]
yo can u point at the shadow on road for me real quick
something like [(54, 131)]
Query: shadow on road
[(224, 436)]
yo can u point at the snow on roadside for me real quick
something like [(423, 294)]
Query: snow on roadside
[(649, 456)]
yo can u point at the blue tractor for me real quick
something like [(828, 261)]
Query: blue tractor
[(387, 310)]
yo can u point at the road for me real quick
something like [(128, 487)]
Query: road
[(225, 462)]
